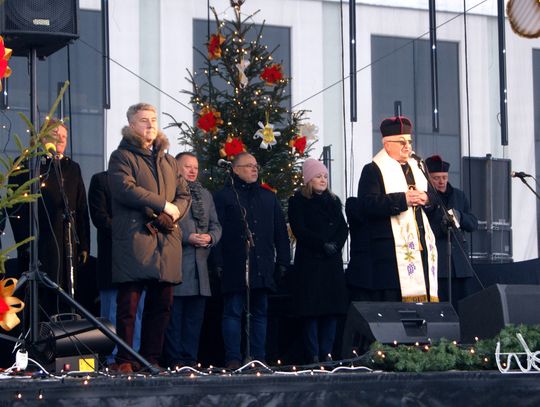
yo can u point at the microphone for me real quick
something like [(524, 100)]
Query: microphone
[(50, 149), (224, 163), (520, 175), (415, 157)]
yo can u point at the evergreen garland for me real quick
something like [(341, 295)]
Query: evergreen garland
[(447, 355)]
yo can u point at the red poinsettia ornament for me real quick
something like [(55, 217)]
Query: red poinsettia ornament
[(268, 187), (214, 46), (209, 120), (272, 74), (298, 144), (4, 307), (232, 147), (5, 54)]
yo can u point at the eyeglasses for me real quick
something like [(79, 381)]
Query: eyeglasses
[(402, 142), (250, 166)]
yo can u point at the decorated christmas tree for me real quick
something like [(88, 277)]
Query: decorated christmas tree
[(240, 104)]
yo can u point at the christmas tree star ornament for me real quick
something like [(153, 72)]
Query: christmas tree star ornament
[(242, 78), (268, 135), (214, 46), (9, 305)]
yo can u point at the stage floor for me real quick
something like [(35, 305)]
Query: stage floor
[(359, 388)]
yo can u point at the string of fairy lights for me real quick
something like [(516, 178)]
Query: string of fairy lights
[(370, 362)]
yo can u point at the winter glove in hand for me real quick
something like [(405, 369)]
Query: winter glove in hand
[(330, 248)]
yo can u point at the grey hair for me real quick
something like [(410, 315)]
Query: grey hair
[(134, 109)]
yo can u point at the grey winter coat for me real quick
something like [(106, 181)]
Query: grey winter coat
[(141, 182), (195, 279)]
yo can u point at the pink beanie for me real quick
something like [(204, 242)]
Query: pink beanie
[(312, 168)]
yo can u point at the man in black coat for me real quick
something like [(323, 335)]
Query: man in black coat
[(244, 194), (59, 174), (458, 205), (392, 200)]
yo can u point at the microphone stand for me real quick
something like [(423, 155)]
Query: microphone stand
[(69, 223), (451, 231), (528, 186), (249, 244)]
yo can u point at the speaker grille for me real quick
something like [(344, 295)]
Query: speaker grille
[(43, 25), (40, 16)]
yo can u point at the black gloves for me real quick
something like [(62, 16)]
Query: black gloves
[(163, 223), (280, 271), (330, 248)]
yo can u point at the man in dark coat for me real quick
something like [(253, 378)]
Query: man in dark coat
[(359, 274), (392, 199), (458, 205), (243, 194), (200, 232), (99, 203), (59, 174), (149, 197)]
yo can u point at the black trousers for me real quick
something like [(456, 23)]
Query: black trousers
[(157, 308)]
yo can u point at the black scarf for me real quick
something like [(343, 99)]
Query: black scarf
[(197, 207)]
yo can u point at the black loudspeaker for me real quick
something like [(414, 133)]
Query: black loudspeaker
[(484, 314), (397, 323), (487, 184), (71, 338), (44, 25)]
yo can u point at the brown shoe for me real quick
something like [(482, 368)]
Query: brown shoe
[(233, 364), (125, 368)]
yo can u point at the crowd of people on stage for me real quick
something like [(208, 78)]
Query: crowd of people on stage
[(157, 226)]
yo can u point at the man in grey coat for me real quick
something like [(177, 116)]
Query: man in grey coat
[(149, 197), (200, 231)]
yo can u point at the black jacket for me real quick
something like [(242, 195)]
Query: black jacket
[(360, 268), (99, 202), (376, 207), (53, 236), (318, 278), (267, 223), (454, 199)]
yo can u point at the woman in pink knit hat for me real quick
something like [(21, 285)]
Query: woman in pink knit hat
[(318, 281)]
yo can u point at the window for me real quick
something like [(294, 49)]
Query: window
[(536, 101), (86, 138), (401, 76)]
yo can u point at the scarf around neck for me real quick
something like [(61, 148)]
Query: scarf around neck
[(197, 207)]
